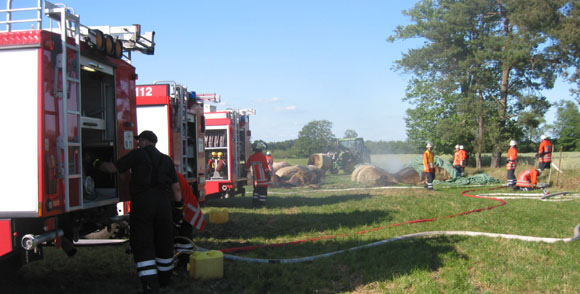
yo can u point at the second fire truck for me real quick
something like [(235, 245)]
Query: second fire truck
[(175, 115)]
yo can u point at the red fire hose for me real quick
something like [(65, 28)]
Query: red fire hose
[(464, 193)]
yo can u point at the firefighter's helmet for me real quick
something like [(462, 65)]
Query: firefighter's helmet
[(461, 147), (214, 154), (543, 137), (513, 143), (268, 153), (456, 146), (429, 145), (219, 154)]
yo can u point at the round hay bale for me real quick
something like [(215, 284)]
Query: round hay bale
[(297, 179), (320, 160), (375, 176), (278, 165), (408, 175), (356, 171), (316, 175), (362, 170)]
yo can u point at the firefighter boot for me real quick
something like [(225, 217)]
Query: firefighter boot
[(255, 200), (150, 284), (262, 200)]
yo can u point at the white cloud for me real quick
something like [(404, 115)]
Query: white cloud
[(270, 100), (286, 108)]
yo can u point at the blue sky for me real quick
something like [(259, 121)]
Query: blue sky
[(291, 61)]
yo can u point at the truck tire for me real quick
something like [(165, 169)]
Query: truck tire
[(10, 264)]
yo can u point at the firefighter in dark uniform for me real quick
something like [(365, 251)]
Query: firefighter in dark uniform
[(154, 185)]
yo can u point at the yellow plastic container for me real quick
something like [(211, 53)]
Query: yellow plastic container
[(218, 216), (206, 265)]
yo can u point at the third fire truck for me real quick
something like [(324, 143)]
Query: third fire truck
[(227, 147), (69, 98)]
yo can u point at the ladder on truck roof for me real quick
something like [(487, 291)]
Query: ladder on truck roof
[(69, 141), (179, 94), (26, 18)]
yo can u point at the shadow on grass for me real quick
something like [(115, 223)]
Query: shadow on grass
[(250, 225), (275, 201), (344, 272), (111, 271)]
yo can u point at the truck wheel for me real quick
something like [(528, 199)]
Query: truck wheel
[(10, 264)]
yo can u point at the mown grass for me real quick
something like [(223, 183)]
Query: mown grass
[(443, 264)]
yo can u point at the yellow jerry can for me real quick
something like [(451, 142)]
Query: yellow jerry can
[(206, 265), (218, 216)]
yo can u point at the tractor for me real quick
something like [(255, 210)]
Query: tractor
[(347, 153)]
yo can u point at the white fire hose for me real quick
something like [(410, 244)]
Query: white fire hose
[(405, 237)]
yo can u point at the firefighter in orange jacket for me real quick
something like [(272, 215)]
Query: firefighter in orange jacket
[(512, 156), (463, 159), (259, 164), (183, 225), (544, 153), (270, 160), (528, 179), (457, 160), (429, 166)]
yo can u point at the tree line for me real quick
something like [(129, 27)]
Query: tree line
[(317, 137), (479, 75)]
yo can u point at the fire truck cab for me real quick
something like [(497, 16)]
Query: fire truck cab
[(69, 94), (227, 147), (175, 115)]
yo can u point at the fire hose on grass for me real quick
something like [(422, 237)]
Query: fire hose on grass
[(502, 202)]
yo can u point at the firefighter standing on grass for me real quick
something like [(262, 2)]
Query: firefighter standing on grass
[(186, 216), (270, 160), (512, 156), (544, 153), (429, 166), (154, 185), (259, 164), (457, 159), (462, 159)]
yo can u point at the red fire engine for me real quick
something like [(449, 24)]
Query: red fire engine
[(72, 100), (175, 115), (227, 146)]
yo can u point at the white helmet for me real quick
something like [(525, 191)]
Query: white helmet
[(543, 137), (268, 153), (513, 143), (429, 145), (461, 147), (456, 146)]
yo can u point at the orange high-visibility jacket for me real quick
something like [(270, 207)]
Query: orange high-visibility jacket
[(463, 157), (259, 165), (428, 162), (270, 160), (528, 178), (457, 157), (512, 156), (191, 210), (545, 151)]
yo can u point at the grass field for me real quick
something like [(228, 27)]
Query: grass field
[(349, 218)]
